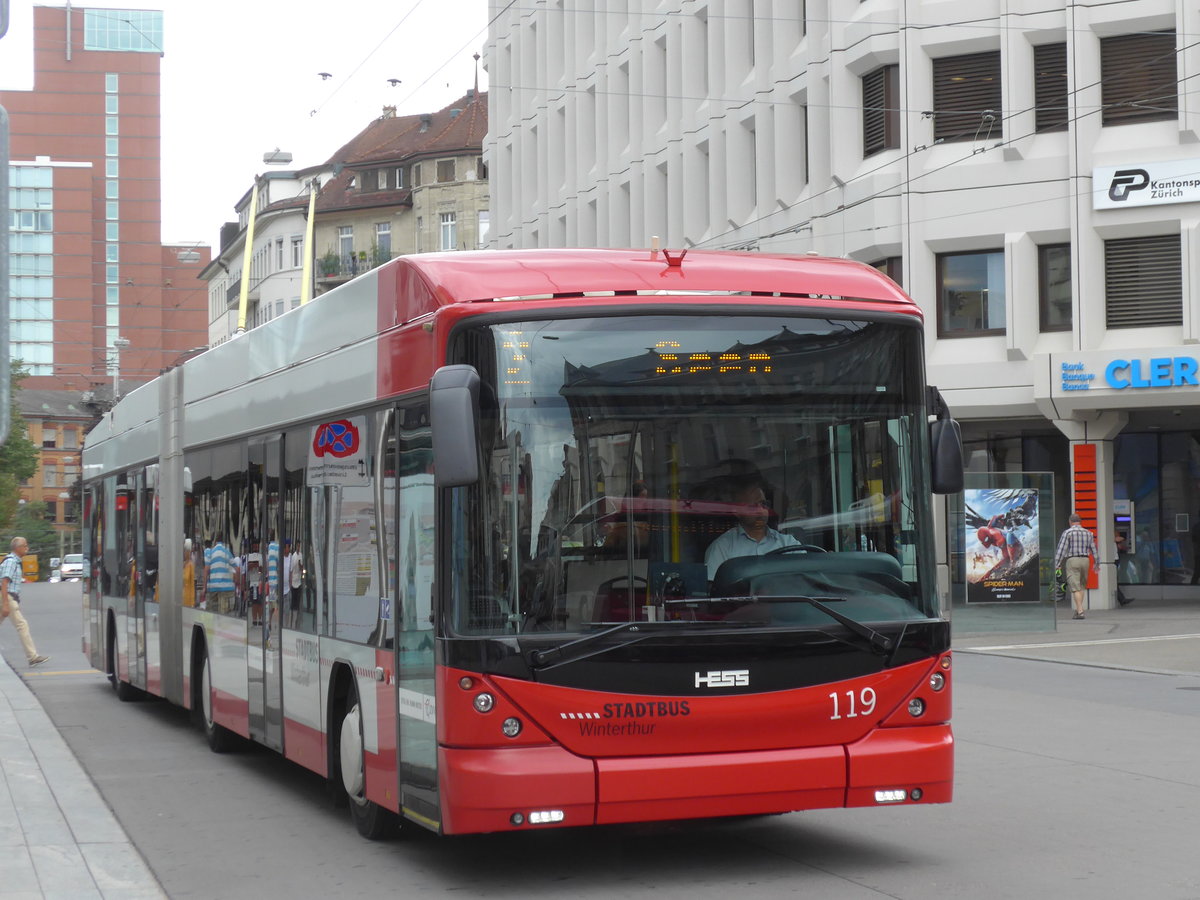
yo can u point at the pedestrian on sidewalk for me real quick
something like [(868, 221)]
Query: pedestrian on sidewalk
[(1074, 548), (11, 579)]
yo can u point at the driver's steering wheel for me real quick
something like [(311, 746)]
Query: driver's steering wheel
[(795, 548)]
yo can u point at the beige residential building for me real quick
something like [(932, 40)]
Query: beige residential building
[(405, 184)]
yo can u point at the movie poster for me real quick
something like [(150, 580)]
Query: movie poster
[(1002, 545)]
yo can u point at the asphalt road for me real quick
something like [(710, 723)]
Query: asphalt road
[(1072, 781)]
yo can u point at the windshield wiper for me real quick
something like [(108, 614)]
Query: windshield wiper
[(576, 649), (878, 642)]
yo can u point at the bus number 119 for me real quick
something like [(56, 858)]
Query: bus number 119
[(861, 705)]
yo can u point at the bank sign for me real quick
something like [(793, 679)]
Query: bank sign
[(1146, 184), (1127, 373)]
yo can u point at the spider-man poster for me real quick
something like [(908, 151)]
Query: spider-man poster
[(1002, 544)]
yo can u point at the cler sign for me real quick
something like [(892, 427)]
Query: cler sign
[(1159, 372)]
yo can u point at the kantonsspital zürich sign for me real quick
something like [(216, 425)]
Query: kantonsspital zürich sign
[(1146, 184)]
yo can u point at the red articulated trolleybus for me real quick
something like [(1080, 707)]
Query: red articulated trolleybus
[(520, 539)]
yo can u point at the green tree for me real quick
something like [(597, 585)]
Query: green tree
[(18, 455)]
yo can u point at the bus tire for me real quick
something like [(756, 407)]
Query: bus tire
[(372, 820), (220, 739), (123, 689)]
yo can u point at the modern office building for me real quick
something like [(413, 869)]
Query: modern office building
[(1028, 170), (87, 262)]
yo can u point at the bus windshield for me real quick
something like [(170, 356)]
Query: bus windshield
[(735, 470)]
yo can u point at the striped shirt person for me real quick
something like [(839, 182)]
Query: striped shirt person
[(219, 578)]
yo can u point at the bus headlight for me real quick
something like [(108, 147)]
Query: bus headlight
[(937, 681), (916, 707), (484, 702), (511, 727)]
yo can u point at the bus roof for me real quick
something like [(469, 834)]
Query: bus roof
[(502, 274)]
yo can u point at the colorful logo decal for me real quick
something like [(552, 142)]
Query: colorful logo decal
[(338, 439)]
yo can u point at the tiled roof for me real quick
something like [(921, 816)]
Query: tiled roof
[(392, 140), (49, 404)]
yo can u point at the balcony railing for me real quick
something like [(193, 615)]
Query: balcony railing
[(333, 266)]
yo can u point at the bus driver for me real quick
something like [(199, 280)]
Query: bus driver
[(752, 536)]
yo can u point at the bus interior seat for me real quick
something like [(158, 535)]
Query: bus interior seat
[(584, 581)]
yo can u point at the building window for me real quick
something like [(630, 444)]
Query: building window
[(484, 225), (1137, 78), (445, 170), (110, 125), (970, 293), (136, 30), (278, 254), (1050, 87), (112, 252), (967, 97), (345, 241), (112, 168), (1143, 283), (111, 104), (399, 177), (1054, 287), (416, 174), (111, 81), (381, 179), (892, 267), (49, 476), (480, 169), (383, 241), (881, 110), (297, 252), (112, 147), (49, 437), (110, 210), (448, 234)]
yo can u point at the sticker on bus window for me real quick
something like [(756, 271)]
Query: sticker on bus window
[(338, 452)]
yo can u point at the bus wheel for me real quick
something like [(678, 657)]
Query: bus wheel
[(220, 739), (371, 819), (124, 690)]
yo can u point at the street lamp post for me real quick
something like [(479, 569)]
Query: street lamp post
[(119, 343)]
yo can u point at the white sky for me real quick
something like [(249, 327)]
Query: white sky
[(240, 79)]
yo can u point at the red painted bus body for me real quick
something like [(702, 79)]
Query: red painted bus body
[(531, 539)]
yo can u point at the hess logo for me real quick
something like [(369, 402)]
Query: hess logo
[(727, 678), (1126, 181)]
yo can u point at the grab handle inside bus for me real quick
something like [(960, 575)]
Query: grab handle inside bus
[(945, 445), (454, 417)]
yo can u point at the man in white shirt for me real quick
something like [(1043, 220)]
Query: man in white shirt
[(752, 536)]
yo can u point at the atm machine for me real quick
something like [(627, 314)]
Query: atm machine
[(1126, 538), (1123, 519)]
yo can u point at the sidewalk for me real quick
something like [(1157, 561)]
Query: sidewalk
[(60, 840), (1160, 636)]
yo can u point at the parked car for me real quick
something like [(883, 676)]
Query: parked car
[(72, 567)]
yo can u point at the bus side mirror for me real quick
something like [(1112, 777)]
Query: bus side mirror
[(945, 445), (454, 418)]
